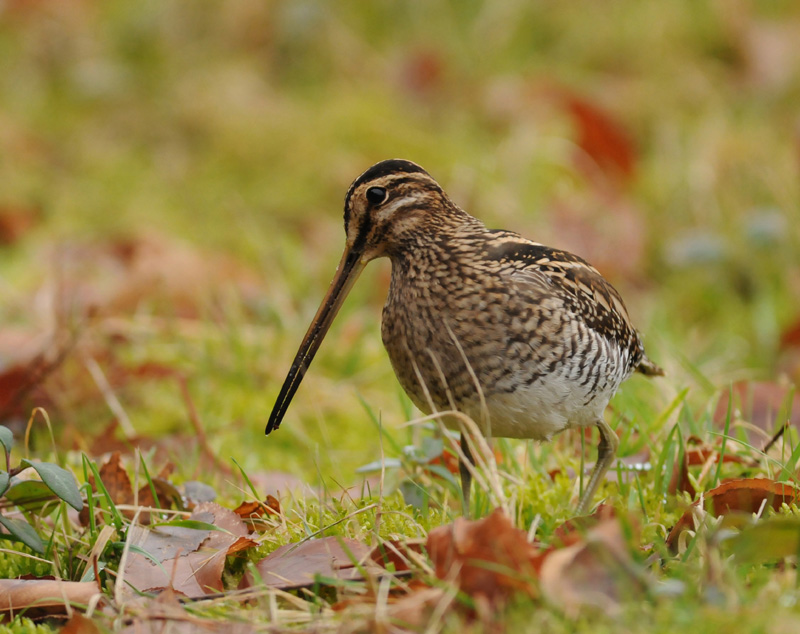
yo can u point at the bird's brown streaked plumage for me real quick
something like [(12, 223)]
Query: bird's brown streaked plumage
[(525, 339)]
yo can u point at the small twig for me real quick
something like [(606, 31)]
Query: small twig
[(775, 438)]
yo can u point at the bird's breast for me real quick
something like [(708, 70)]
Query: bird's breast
[(516, 363)]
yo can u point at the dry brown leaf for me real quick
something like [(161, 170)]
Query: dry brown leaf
[(603, 139), (118, 484), (745, 495), (296, 565), (79, 624), (16, 221), (44, 596), (422, 73), (253, 512), (790, 337), (486, 558), (192, 560), (24, 367), (597, 571), (680, 482)]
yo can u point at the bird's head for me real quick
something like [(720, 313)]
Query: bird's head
[(391, 205)]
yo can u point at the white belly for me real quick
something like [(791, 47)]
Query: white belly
[(540, 410)]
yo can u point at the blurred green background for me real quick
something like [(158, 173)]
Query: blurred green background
[(659, 140)]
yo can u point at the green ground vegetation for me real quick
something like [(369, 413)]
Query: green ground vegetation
[(226, 134)]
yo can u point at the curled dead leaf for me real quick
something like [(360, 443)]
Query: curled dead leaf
[(486, 558), (680, 482), (745, 495), (44, 596), (190, 560)]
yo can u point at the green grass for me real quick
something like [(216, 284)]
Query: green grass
[(235, 129)]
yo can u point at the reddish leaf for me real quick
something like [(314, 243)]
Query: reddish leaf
[(745, 495), (297, 565), (700, 455), (486, 558), (422, 73), (270, 506), (252, 512), (679, 482), (790, 337), (79, 624), (15, 222), (600, 136), (118, 484)]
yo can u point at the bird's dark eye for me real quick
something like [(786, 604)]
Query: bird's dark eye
[(376, 195)]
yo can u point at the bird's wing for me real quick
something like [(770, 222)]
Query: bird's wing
[(579, 285)]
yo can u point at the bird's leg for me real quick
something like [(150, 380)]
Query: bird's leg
[(466, 476), (606, 452)]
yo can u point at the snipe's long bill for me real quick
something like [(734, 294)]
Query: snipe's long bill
[(525, 339)]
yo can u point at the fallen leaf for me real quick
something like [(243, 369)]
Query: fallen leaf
[(118, 484), (597, 571), (422, 73), (745, 495), (790, 337), (79, 624), (298, 565), (680, 482), (601, 137), (191, 559), (16, 221), (486, 558), (44, 596)]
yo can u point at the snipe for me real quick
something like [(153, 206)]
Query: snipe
[(525, 339)]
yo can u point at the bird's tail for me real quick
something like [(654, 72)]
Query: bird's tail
[(648, 368)]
